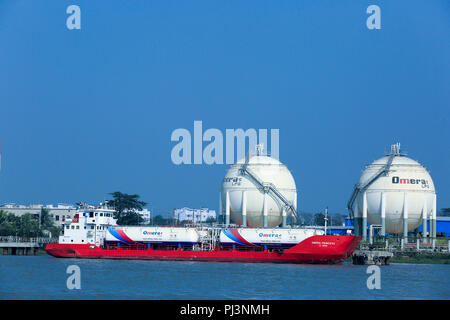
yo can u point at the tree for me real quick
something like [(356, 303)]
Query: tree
[(8, 223), (159, 220), (125, 206), (28, 226), (210, 220), (47, 223)]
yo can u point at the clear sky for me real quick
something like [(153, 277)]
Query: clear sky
[(91, 111)]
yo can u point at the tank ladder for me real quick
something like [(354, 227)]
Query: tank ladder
[(267, 186)]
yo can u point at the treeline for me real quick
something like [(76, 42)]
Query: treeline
[(28, 225)]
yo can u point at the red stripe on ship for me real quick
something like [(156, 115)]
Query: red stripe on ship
[(238, 236), (124, 236)]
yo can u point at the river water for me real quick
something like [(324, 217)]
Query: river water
[(45, 277)]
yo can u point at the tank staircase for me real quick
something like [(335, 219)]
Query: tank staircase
[(267, 186), (395, 151)]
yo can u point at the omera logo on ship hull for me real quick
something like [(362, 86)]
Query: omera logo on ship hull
[(398, 180)]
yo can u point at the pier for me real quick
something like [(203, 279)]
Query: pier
[(22, 246), (377, 257)]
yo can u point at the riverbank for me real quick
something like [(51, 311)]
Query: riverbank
[(422, 258)]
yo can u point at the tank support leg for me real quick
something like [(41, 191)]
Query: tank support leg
[(405, 218), (364, 219), (383, 214), (244, 208), (265, 210), (424, 222), (227, 209)]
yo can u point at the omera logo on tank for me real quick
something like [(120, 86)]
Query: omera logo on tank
[(398, 180)]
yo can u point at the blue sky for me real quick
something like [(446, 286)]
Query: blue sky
[(87, 112)]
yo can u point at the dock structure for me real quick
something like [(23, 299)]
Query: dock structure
[(22, 246), (369, 257)]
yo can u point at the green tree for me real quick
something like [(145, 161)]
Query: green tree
[(125, 206), (210, 220), (8, 223), (159, 220), (47, 223), (28, 226)]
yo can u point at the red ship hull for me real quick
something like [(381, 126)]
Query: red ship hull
[(316, 249)]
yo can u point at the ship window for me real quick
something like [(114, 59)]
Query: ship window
[(57, 218), (84, 227), (91, 214), (67, 227), (72, 227), (101, 214), (96, 214), (78, 227), (92, 227)]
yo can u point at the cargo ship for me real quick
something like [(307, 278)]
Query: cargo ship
[(94, 234)]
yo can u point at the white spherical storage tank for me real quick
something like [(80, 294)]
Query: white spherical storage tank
[(258, 191), (396, 192)]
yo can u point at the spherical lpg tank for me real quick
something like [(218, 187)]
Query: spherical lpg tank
[(247, 201), (406, 190)]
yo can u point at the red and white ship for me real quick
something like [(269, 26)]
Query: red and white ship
[(94, 234)]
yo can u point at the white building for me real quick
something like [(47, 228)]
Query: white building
[(60, 213), (145, 215), (194, 215)]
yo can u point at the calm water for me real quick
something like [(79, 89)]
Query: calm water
[(44, 277)]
